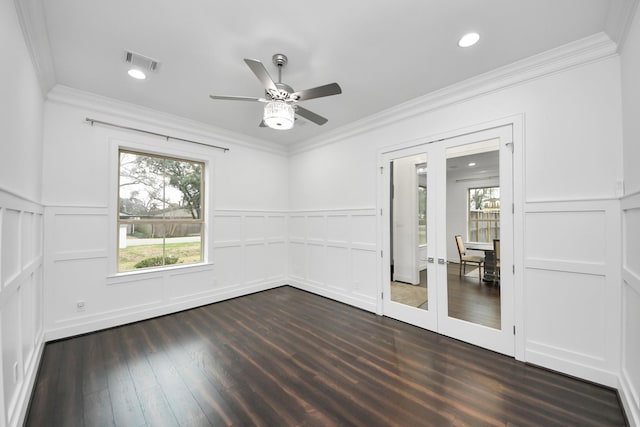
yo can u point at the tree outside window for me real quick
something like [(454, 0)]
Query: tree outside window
[(484, 214), (160, 211)]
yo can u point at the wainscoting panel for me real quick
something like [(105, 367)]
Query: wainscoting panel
[(333, 253), (630, 370), (571, 287), (339, 275), (297, 264), (84, 294), (250, 249), (187, 285), (567, 236), (21, 327), (583, 332), (227, 273), (10, 241)]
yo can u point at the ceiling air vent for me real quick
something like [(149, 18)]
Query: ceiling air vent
[(141, 61)]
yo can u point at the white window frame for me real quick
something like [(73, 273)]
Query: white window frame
[(149, 145)]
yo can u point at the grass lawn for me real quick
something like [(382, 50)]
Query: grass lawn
[(187, 253)]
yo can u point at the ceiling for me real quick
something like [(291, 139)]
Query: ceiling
[(381, 53)]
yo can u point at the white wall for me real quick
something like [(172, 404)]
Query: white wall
[(568, 285), (21, 116), (405, 220), (246, 193), (630, 372)]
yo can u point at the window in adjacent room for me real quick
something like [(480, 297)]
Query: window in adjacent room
[(160, 211), (484, 214)]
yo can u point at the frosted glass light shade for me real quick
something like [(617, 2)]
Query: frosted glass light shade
[(279, 115)]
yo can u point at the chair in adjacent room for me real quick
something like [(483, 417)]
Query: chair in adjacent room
[(496, 251), (464, 258)]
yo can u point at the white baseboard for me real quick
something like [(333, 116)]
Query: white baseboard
[(111, 320), (359, 301), (573, 368)]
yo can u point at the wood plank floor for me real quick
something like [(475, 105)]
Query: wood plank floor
[(285, 357), (473, 299)]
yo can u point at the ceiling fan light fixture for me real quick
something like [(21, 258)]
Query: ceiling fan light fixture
[(279, 115)]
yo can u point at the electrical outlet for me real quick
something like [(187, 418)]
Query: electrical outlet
[(80, 305)]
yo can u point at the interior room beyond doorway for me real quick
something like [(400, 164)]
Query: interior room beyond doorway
[(470, 298)]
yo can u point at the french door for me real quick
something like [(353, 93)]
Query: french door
[(432, 192)]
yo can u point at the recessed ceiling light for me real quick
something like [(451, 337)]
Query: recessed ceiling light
[(137, 74), (469, 39), (472, 164)]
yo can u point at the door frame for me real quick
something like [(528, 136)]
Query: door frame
[(518, 140)]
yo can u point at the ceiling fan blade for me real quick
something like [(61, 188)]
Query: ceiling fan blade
[(310, 115), (317, 92), (262, 74), (237, 98)]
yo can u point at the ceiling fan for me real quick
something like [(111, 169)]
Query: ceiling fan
[(280, 99)]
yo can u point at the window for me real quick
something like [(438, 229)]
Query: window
[(484, 214), (160, 211)]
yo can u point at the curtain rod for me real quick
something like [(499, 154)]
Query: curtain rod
[(167, 137)]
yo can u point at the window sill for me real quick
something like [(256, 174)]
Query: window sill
[(129, 276)]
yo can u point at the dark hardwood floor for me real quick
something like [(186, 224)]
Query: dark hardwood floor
[(472, 299), (285, 357)]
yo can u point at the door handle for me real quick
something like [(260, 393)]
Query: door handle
[(430, 260), (441, 261)]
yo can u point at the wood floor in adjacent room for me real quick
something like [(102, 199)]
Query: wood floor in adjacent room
[(285, 357)]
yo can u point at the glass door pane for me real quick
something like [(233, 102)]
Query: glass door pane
[(409, 231), (473, 224), (409, 293)]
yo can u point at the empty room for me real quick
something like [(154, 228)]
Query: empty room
[(334, 213)]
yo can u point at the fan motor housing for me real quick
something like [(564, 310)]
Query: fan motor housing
[(282, 87)]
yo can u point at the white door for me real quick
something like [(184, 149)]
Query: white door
[(408, 294), (467, 192)]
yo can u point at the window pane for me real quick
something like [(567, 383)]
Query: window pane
[(154, 192), (187, 246), (484, 214), (141, 186), (183, 191), (159, 188), (148, 245), (140, 246)]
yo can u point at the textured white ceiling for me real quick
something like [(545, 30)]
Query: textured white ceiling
[(382, 53)]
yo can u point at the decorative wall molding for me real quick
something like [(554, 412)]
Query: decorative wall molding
[(152, 120), (333, 253), (570, 257), (110, 300), (577, 53), (619, 20), (21, 302), (629, 384), (34, 28)]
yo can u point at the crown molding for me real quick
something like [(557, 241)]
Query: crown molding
[(619, 20), (34, 30), (589, 49), (157, 120)]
